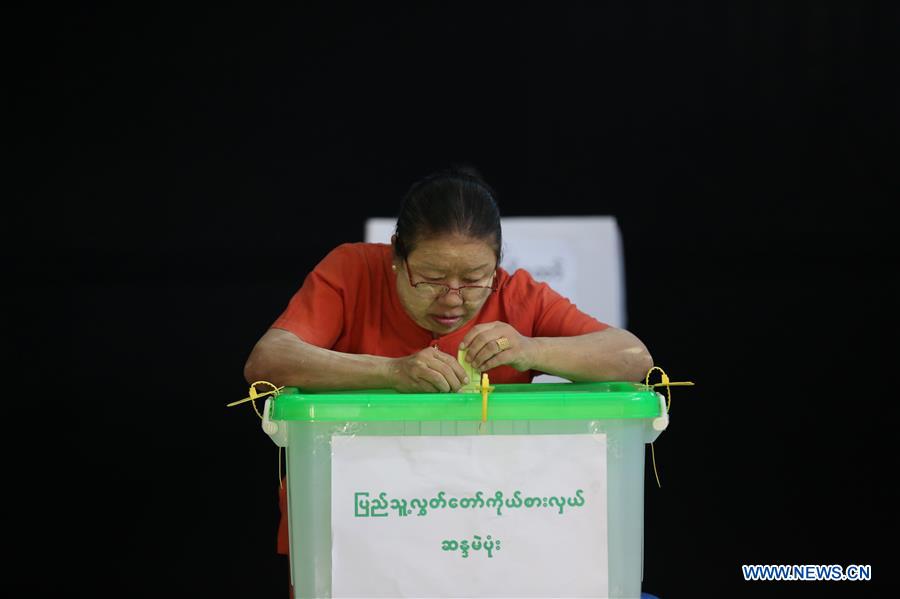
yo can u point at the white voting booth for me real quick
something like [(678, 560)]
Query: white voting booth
[(579, 257)]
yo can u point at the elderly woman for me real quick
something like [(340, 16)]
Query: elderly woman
[(393, 316)]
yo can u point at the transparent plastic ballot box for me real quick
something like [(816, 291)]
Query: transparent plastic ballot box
[(383, 451)]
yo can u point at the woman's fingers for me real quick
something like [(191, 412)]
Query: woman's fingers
[(436, 371), (431, 370), (457, 374), (474, 338), (426, 377), (485, 346)]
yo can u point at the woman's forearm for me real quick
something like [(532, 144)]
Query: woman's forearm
[(609, 355), (283, 359)]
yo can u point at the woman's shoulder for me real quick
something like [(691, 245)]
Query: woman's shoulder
[(355, 266), (518, 282), (520, 291), (362, 254), (361, 250)]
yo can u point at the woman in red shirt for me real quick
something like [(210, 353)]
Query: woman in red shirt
[(393, 316)]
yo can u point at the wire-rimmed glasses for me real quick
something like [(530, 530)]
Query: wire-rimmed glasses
[(468, 293)]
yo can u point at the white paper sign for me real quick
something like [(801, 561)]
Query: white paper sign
[(469, 516), (548, 259)]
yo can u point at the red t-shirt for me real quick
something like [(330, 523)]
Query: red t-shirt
[(349, 303)]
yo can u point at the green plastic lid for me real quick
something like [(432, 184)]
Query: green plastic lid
[(535, 401)]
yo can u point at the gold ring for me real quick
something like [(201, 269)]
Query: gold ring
[(503, 343)]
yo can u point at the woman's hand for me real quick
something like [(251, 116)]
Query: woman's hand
[(495, 344), (427, 371)]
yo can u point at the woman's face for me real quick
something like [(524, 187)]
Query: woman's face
[(453, 260)]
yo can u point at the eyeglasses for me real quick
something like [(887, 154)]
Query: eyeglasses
[(468, 293)]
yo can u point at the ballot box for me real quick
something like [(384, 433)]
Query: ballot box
[(530, 490)]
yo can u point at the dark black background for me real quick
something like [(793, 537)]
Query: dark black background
[(177, 172)]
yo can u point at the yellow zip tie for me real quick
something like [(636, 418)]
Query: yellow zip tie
[(252, 398), (280, 479), (668, 385), (665, 383), (485, 389), (254, 395), (653, 457)]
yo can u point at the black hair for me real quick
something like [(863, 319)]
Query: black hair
[(454, 200)]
